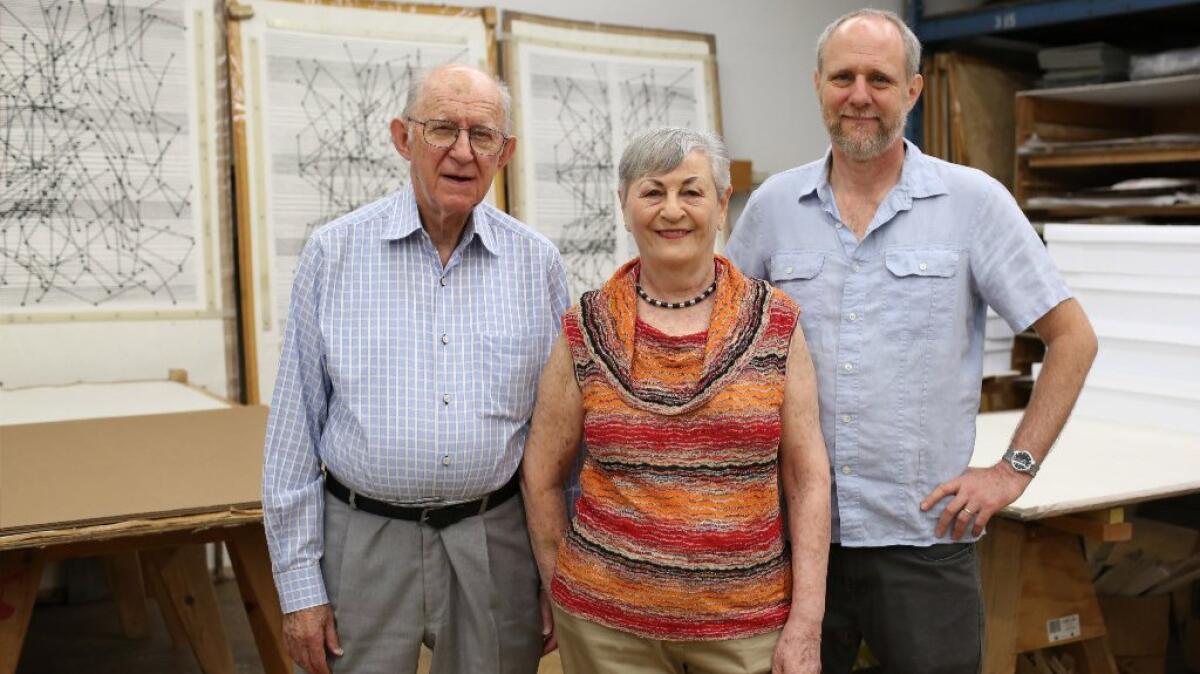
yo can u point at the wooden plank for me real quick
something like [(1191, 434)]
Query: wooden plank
[(190, 596), (1093, 656), (252, 567), (741, 175), (1095, 529), (82, 541), (241, 188), (20, 574), (1055, 585), (158, 590), (1109, 157), (1122, 211), (1000, 562), (1122, 121), (125, 579)]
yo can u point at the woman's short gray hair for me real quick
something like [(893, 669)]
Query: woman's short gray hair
[(658, 151), (912, 46)]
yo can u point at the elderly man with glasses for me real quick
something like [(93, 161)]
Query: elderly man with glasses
[(418, 327)]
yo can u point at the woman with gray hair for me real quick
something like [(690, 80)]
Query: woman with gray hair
[(694, 391)]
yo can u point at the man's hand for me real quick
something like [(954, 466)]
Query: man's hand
[(978, 494), (798, 650), (549, 638), (307, 633)]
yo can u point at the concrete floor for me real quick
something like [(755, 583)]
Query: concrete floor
[(87, 639)]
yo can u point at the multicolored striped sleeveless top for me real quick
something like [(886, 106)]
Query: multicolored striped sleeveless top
[(677, 533)]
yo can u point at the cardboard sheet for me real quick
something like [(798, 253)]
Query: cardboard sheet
[(170, 450), (1095, 464)]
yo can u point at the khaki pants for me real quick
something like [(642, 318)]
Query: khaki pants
[(590, 648)]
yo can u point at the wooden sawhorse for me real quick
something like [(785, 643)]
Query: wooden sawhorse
[(1038, 591), (170, 554)]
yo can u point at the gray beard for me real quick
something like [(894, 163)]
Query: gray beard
[(870, 147)]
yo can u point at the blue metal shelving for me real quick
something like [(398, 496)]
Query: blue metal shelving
[(1000, 19)]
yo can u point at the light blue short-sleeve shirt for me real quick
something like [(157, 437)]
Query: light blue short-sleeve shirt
[(895, 324)]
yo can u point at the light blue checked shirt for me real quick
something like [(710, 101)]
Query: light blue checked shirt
[(895, 324), (412, 382)]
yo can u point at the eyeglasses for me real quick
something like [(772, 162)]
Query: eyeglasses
[(484, 140)]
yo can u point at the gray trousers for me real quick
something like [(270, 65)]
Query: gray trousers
[(920, 610), (469, 592)]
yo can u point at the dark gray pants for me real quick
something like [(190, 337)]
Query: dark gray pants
[(920, 610)]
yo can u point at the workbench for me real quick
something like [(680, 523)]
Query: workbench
[(1037, 584)]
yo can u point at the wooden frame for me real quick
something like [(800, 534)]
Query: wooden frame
[(607, 48), (470, 29)]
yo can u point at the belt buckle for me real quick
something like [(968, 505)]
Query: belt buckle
[(438, 518)]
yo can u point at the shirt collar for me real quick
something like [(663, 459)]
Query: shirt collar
[(404, 219), (918, 178)]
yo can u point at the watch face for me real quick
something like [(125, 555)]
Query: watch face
[(1022, 461)]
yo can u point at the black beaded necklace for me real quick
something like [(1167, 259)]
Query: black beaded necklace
[(677, 305)]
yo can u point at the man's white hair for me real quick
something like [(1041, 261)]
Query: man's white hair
[(912, 46)]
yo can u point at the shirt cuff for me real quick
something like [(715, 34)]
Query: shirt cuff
[(301, 588)]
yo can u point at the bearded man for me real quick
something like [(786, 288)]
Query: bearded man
[(894, 257)]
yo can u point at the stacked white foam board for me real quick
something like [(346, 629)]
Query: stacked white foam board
[(997, 346), (1140, 286)]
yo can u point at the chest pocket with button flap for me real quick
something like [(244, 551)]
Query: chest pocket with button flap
[(922, 287), (798, 273)]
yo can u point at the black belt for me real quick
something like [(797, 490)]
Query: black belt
[(437, 517)]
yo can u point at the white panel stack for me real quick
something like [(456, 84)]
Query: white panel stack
[(1140, 286), (997, 346)]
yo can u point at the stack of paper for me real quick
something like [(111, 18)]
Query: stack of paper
[(1083, 64), (1140, 286), (997, 346)]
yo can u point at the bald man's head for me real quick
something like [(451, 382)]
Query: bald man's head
[(456, 76)]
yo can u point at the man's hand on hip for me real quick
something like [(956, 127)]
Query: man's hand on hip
[(308, 633), (977, 494)]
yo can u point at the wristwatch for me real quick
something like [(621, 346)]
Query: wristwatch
[(1021, 461)]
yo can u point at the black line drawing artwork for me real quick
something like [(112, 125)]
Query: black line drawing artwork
[(583, 168), (649, 103), (343, 151), (96, 192), (584, 151)]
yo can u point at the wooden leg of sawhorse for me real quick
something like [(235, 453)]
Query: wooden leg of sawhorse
[(189, 596), (1038, 593), (125, 579), (252, 567), (20, 575), (1000, 571)]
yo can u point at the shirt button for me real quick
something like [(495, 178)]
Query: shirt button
[(922, 266), (445, 339), (856, 267), (853, 316), (848, 367), (446, 398), (787, 270), (846, 470), (838, 225), (446, 460), (442, 281), (845, 418)]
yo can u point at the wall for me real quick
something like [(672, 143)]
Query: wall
[(765, 58)]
